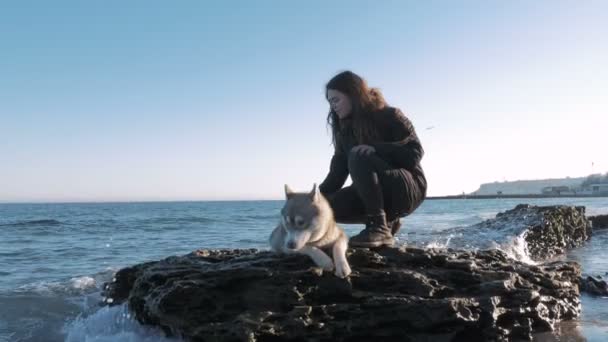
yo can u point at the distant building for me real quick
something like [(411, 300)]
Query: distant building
[(598, 189), (547, 187), (526, 187), (558, 190)]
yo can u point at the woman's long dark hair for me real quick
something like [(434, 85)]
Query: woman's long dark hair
[(364, 100)]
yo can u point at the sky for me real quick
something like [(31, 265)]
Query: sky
[(224, 100)]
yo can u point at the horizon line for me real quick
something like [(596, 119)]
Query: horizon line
[(134, 201)]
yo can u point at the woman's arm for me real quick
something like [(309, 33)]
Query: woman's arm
[(403, 149), (338, 172)]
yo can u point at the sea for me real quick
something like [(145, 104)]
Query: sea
[(55, 258)]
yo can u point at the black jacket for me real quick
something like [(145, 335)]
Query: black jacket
[(399, 146)]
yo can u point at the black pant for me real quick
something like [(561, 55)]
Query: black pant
[(377, 187)]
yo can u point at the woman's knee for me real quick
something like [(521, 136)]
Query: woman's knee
[(356, 160)]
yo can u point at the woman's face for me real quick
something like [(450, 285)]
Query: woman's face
[(339, 103)]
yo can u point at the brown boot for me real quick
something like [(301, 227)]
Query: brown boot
[(376, 233)]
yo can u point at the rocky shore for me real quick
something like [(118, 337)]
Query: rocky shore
[(405, 293), (548, 231)]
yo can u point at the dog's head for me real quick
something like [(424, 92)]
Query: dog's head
[(300, 216)]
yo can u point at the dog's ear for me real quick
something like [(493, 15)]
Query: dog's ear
[(314, 194), (288, 192)]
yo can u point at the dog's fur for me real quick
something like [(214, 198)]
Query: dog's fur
[(308, 227)]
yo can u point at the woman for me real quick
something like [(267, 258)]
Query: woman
[(377, 145)]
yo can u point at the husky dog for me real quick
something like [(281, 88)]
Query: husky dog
[(308, 227)]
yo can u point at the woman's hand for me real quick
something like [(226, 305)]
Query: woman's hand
[(363, 150)]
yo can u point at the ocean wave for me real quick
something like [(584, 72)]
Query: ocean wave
[(438, 244), (264, 217), (514, 245), (485, 216), (74, 286), (177, 220), (248, 242), (111, 324), (44, 222), (31, 317), (516, 248)]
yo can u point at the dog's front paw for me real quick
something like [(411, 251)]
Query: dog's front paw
[(326, 264), (342, 270)]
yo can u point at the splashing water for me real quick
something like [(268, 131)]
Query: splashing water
[(112, 324), (516, 248)]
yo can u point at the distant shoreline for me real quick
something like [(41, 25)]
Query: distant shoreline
[(510, 196)]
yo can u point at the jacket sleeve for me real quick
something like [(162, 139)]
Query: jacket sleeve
[(338, 172), (403, 149)]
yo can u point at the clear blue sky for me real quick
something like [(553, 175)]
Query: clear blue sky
[(186, 100)]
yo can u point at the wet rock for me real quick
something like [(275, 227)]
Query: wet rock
[(595, 286), (547, 231), (599, 222), (405, 294)]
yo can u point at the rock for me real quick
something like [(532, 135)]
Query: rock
[(599, 221), (405, 294), (560, 228), (547, 231), (594, 286)]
